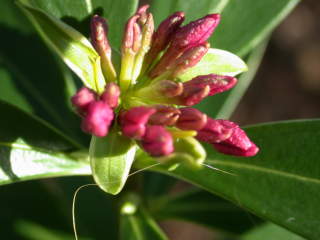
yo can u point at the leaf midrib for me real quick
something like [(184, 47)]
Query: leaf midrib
[(266, 170)]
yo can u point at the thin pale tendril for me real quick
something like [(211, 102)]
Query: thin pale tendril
[(93, 184), (217, 169)]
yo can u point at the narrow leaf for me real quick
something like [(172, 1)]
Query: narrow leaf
[(275, 184), (31, 149), (218, 62), (75, 50), (111, 158)]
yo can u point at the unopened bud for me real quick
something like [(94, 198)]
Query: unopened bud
[(99, 31), (195, 32), (216, 83), (193, 94), (82, 99), (238, 145), (132, 36), (111, 95), (189, 58), (134, 121), (98, 119), (164, 116), (164, 33), (216, 131), (191, 119), (157, 141), (169, 88)]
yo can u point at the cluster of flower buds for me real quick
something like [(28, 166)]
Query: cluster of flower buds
[(146, 100)]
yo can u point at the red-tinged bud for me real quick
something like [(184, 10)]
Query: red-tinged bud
[(238, 144), (216, 131), (169, 88), (190, 58), (98, 119), (132, 35), (111, 95), (164, 33), (99, 30), (157, 141), (82, 99), (134, 121), (164, 115), (192, 94), (216, 83), (143, 15), (195, 32), (191, 119)]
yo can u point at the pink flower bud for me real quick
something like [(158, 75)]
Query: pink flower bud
[(132, 35), (164, 116), (238, 145), (157, 141), (190, 58), (169, 88), (216, 131), (111, 95), (98, 119), (134, 121), (99, 30), (195, 32), (192, 94), (164, 33), (216, 83), (82, 99), (227, 137), (191, 119)]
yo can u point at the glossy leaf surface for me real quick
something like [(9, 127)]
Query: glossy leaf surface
[(275, 184), (111, 158), (32, 149)]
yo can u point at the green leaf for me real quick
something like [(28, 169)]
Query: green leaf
[(203, 208), (136, 223), (218, 62), (275, 184), (111, 158), (69, 44), (222, 105), (270, 231), (32, 149), (246, 23)]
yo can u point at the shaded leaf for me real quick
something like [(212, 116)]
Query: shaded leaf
[(203, 208), (275, 184), (31, 149), (270, 231)]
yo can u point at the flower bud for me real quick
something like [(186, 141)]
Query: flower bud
[(143, 15), (191, 119), (216, 83), (157, 141), (98, 119), (192, 94), (195, 32), (164, 33), (134, 121), (111, 95), (99, 30), (169, 88), (228, 138), (238, 145), (132, 36), (216, 131), (82, 99), (189, 58), (164, 116)]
